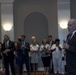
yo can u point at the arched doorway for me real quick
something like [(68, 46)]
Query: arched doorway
[(36, 24)]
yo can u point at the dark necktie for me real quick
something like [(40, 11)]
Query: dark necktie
[(69, 38), (6, 46), (23, 49)]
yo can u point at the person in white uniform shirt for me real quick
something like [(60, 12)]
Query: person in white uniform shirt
[(57, 56)]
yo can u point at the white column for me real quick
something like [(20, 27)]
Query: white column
[(7, 18), (63, 17)]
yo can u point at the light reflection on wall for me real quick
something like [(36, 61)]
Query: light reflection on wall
[(7, 26), (63, 24)]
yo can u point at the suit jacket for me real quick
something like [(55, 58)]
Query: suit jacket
[(10, 54), (71, 55), (48, 42), (0, 53), (26, 50)]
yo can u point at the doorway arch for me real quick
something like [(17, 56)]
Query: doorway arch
[(36, 24)]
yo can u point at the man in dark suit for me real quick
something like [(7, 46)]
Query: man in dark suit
[(8, 54), (50, 42), (70, 47), (24, 58)]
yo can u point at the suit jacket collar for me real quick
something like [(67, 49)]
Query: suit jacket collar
[(24, 42), (73, 33)]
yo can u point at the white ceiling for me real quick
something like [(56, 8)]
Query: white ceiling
[(59, 1), (63, 4), (2, 1), (63, 0)]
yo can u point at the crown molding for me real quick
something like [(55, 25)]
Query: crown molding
[(6, 1)]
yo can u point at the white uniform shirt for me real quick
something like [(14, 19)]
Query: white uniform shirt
[(57, 53)]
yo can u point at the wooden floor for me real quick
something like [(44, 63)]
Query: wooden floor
[(39, 73)]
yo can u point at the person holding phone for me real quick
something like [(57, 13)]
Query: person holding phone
[(45, 56), (24, 56), (8, 55), (57, 57)]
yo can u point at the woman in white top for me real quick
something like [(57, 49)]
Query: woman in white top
[(45, 56), (57, 56), (34, 47)]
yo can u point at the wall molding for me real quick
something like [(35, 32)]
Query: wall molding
[(6, 1)]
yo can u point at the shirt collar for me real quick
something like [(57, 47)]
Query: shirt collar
[(73, 32)]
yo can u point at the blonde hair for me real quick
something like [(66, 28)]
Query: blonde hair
[(33, 37)]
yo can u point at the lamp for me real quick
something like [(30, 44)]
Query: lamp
[(63, 24), (7, 26)]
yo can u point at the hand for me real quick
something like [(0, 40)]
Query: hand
[(23, 46), (7, 50), (47, 52), (54, 49), (4, 52), (59, 47), (44, 47), (65, 45)]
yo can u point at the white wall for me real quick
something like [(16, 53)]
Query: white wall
[(7, 17), (63, 15), (22, 8)]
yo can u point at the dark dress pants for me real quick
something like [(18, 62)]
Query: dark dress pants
[(24, 59), (72, 73), (8, 60)]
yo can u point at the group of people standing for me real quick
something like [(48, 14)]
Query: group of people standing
[(11, 49), (52, 53), (24, 53)]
